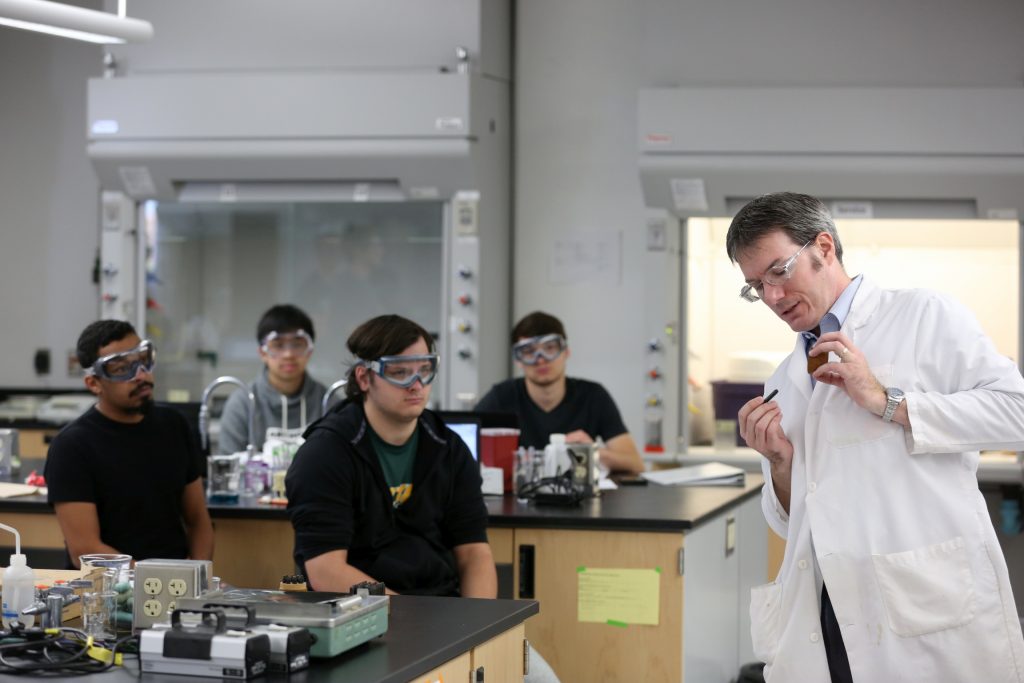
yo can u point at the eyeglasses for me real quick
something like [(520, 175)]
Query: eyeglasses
[(403, 371), (775, 275), (530, 351), (124, 366), (277, 344)]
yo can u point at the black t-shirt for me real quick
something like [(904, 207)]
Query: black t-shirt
[(587, 406), (135, 475)]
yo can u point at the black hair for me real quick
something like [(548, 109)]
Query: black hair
[(284, 318), (97, 335), (537, 324), (385, 335)]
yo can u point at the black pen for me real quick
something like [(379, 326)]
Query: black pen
[(771, 395)]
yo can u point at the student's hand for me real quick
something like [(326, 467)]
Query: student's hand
[(852, 373), (578, 436)]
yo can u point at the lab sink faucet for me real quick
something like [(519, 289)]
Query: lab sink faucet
[(330, 392), (204, 410)]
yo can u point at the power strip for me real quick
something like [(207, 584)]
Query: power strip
[(159, 584)]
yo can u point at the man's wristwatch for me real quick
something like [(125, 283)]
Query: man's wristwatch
[(894, 397)]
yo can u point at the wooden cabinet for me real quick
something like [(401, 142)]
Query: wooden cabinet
[(502, 545), (499, 660), (580, 651), (453, 670), (34, 443), (252, 553), (703, 626), (37, 530)]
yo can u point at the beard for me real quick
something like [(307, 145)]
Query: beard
[(145, 405), (141, 409)]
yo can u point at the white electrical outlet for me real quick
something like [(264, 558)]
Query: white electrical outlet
[(160, 583)]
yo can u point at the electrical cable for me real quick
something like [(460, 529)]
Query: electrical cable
[(53, 652), (558, 490)]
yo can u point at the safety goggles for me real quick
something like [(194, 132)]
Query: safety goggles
[(277, 344), (403, 371), (530, 351), (123, 366), (774, 276)]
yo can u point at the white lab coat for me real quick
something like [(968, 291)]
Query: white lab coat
[(893, 517)]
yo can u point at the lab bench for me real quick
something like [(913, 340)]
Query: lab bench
[(33, 436), (428, 639), (709, 545)]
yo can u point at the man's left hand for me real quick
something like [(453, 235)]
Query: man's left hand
[(578, 436), (851, 373)]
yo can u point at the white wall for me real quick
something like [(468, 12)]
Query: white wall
[(49, 203), (579, 64)]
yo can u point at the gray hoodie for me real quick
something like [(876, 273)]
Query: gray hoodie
[(234, 423)]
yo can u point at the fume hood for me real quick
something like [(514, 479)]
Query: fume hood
[(868, 153), (267, 174)]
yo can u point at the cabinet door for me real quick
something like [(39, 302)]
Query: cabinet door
[(456, 670), (500, 659), (236, 560), (582, 651), (503, 549), (34, 443)]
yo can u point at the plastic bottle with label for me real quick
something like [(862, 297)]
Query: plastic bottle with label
[(19, 589), (556, 456)]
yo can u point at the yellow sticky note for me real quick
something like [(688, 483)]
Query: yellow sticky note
[(619, 597)]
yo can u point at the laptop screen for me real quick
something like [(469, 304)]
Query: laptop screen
[(468, 429)]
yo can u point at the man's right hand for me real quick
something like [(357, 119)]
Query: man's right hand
[(761, 427)]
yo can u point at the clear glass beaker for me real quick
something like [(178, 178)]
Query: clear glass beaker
[(99, 614), (118, 565)]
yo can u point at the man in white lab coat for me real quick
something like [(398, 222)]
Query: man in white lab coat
[(892, 570)]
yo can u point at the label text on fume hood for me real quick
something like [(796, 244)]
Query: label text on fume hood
[(688, 194), (848, 209)]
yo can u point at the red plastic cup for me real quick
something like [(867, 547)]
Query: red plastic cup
[(498, 449)]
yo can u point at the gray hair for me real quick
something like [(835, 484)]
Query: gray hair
[(799, 216)]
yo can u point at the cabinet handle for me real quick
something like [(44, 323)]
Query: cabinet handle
[(477, 676), (526, 557)]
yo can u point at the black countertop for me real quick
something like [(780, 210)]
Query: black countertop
[(423, 633), (640, 508)]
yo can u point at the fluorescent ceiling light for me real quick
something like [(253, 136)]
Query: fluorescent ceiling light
[(73, 22)]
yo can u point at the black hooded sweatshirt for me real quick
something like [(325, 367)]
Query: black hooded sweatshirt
[(338, 499)]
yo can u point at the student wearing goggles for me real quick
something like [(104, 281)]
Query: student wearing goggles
[(279, 344), (404, 371), (547, 401), (382, 490), (125, 476), (287, 397), (123, 366), (530, 351)]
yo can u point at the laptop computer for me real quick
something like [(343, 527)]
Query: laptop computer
[(467, 426)]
